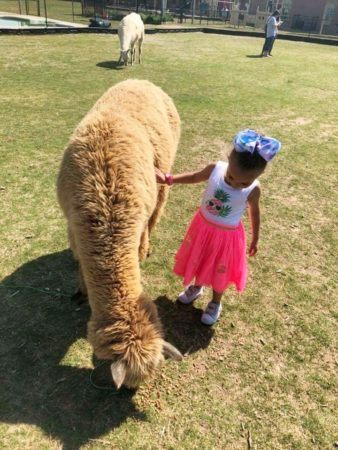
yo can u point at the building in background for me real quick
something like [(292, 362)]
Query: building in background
[(255, 12), (310, 16), (319, 16), (270, 6)]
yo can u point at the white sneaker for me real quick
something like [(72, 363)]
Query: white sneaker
[(190, 294), (211, 313)]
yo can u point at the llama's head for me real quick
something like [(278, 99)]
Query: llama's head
[(134, 344), (124, 55), (142, 365)]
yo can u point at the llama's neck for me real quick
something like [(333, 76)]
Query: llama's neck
[(113, 278), (125, 40)]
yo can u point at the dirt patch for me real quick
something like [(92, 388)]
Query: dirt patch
[(301, 121), (327, 130)]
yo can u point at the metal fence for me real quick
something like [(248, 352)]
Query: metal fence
[(184, 11), (305, 23), (64, 10), (80, 11)]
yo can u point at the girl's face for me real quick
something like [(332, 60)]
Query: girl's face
[(238, 178)]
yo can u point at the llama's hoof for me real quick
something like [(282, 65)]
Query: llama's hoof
[(79, 298)]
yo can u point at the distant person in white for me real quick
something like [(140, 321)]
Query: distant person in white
[(271, 30)]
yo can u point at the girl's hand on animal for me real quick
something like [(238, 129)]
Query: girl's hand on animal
[(253, 249), (160, 176)]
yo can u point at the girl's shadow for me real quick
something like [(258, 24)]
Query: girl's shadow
[(182, 325)]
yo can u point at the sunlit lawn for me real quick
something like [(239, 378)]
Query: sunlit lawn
[(264, 377)]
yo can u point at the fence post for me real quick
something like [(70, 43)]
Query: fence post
[(162, 10), (44, 4)]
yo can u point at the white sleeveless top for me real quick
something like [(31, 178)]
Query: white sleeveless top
[(221, 203)]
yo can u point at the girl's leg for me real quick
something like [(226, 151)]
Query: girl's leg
[(217, 296)]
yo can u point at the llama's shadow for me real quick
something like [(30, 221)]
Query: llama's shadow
[(113, 65), (39, 384)]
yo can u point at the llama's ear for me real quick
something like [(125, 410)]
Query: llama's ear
[(118, 371), (171, 351)]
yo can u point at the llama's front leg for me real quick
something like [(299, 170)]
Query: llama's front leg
[(82, 284), (162, 196), (143, 250), (81, 295), (72, 244), (139, 51), (132, 54)]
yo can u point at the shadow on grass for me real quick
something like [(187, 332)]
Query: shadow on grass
[(39, 324), (38, 327), (110, 65), (254, 56), (182, 325)]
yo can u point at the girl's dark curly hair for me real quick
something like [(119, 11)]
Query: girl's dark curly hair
[(249, 161)]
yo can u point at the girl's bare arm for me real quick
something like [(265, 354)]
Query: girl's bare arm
[(254, 216), (188, 177)]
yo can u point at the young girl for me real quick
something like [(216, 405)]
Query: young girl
[(213, 251)]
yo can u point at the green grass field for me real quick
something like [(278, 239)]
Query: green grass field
[(264, 376)]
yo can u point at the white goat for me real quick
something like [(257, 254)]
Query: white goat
[(131, 33)]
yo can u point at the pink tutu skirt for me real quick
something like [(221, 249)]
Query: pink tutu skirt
[(212, 255)]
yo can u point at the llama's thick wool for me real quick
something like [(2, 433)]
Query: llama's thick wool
[(131, 34), (107, 190)]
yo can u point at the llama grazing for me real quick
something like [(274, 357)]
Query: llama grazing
[(107, 190), (131, 33)]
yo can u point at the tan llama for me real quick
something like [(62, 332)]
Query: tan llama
[(107, 190)]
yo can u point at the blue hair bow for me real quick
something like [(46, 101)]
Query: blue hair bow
[(249, 141)]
